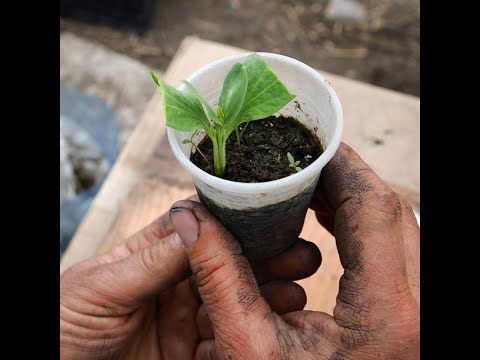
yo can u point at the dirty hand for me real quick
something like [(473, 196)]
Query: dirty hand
[(377, 310), (138, 301)]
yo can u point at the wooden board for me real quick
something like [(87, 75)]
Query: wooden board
[(147, 179)]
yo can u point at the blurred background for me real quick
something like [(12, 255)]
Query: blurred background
[(108, 47)]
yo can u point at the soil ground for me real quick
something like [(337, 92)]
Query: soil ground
[(382, 49), (262, 152)]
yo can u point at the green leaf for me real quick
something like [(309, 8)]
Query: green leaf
[(190, 91), (155, 78), (251, 91), (290, 158), (186, 141), (298, 169), (181, 112), (233, 93), (266, 93), (296, 163)]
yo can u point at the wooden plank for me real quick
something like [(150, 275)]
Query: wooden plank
[(147, 179), (383, 126)]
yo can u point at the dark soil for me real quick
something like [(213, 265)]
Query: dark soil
[(262, 153)]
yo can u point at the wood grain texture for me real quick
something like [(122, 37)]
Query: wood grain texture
[(147, 179)]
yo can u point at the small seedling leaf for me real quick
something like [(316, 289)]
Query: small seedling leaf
[(290, 158)]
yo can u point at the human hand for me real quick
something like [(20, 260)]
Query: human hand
[(138, 301), (377, 310)]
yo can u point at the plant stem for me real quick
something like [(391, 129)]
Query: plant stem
[(219, 159), (243, 130), (238, 135)]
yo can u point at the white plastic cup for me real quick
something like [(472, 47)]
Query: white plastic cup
[(266, 217)]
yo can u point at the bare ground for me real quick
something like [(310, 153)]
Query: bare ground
[(383, 49)]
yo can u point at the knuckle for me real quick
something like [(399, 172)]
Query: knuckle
[(385, 200), (206, 269), (149, 258), (222, 279), (386, 196)]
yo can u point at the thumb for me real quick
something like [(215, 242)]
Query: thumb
[(223, 275)]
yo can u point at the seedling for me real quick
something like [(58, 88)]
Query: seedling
[(277, 158), (293, 164), (251, 91)]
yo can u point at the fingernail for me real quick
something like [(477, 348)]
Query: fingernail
[(185, 224)]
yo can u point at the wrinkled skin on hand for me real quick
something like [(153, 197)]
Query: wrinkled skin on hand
[(139, 301), (377, 314)]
